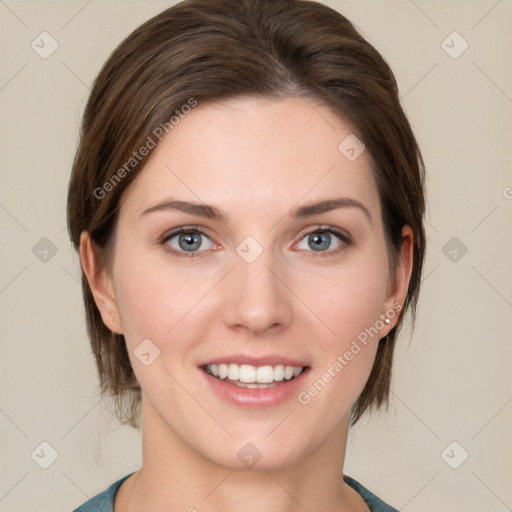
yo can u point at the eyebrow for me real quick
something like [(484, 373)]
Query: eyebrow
[(202, 210), (328, 205), (210, 212)]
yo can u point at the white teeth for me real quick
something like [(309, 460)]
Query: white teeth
[(223, 371), (233, 372), (279, 372), (249, 376), (265, 374), (247, 373)]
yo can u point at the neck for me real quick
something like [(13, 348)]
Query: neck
[(176, 477)]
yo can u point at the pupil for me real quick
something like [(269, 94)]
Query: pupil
[(320, 241), (188, 241)]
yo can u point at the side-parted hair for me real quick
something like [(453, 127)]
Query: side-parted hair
[(210, 50)]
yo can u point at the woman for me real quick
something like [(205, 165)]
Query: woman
[(247, 201)]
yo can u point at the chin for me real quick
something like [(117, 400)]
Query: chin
[(255, 453)]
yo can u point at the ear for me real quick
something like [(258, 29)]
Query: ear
[(396, 294), (100, 284)]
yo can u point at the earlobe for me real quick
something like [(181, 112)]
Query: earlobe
[(398, 293), (100, 284)]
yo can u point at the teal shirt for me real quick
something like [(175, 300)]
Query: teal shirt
[(104, 502)]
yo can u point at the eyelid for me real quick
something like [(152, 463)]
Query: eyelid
[(182, 229), (325, 228)]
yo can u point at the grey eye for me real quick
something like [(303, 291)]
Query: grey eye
[(320, 241), (188, 241)]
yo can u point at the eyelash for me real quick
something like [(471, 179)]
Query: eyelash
[(346, 241)]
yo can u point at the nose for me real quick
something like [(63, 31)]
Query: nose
[(257, 297)]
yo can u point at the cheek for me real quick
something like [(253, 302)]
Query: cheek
[(349, 300), (161, 303), (153, 305), (151, 295), (350, 305)]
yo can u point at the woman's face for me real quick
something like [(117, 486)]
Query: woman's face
[(262, 280)]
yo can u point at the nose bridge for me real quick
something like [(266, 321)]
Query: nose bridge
[(257, 299)]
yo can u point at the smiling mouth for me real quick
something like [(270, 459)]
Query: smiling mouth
[(254, 377)]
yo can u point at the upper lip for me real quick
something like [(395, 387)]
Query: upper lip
[(268, 360)]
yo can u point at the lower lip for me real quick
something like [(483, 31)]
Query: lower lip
[(256, 397)]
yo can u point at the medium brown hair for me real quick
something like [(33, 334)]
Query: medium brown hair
[(208, 50)]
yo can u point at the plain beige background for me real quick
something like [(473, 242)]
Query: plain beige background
[(452, 381)]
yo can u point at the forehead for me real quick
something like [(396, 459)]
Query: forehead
[(255, 154)]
